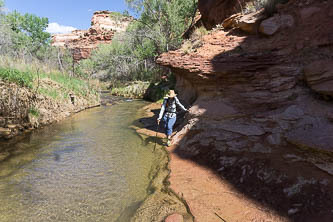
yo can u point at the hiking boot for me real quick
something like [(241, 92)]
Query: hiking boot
[(169, 143)]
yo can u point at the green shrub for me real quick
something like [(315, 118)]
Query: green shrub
[(190, 46), (135, 89), (199, 32), (187, 47), (22, 78), (34, 111)]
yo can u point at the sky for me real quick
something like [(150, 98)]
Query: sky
[(65, 15)]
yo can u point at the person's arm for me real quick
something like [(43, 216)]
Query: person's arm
[(180, 105), (162, 110)]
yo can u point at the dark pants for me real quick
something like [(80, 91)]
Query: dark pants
[(168, 125)]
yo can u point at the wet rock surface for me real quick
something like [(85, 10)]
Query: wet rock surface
[(261, 120)]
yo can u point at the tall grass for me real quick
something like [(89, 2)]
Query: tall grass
[(75, 85), (34, 76), (22, 78), (34, 111)]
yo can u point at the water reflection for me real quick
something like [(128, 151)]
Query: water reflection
[(91, 167)]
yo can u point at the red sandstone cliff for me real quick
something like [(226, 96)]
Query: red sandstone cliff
[(104, 25), (262, 109)]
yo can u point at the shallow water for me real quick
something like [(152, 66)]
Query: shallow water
[(90, 167)]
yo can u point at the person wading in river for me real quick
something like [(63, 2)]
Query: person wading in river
[(169, 109)]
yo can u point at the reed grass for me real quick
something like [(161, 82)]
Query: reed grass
[(30, 75)]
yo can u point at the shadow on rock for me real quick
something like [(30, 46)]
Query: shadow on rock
[(256, 122)]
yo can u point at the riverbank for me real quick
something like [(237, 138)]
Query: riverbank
[(47, 101), (163, 204)]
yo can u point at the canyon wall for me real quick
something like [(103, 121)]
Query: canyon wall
[(104, 25), (262, 109)]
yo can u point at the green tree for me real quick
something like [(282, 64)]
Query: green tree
[(28, 31), (35, 27), (164, 21), (2, 4), (14, 20)]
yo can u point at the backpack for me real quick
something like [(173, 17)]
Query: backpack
[(168, 103)]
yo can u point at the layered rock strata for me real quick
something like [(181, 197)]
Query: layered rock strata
[(261, 116), (104, 25)]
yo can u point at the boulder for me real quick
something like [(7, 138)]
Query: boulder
[(247, 23), (272, 25), (319, 76)]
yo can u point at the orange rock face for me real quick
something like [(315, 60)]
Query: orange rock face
[(104, 25)]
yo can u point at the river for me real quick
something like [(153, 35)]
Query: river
[(89, 167)]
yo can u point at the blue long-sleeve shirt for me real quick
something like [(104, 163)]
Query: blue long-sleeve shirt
[(170, 107)]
